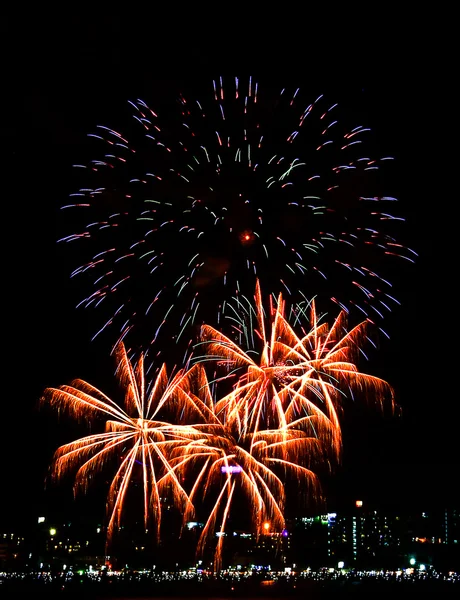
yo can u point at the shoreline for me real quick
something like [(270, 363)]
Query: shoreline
[(311, 588)]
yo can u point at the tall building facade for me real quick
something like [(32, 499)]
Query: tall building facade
[(364, 537)]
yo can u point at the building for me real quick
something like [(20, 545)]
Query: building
[(360, 537), (368, 538)]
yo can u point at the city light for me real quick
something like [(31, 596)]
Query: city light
[(231, 469)]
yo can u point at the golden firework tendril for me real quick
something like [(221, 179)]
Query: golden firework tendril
[(135, 437), (293, 375)]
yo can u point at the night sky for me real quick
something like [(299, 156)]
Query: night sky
[(62, 81)]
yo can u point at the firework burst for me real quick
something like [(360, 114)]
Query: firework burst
[(183, 210), (136, 440), (291, 375), (228, 464)]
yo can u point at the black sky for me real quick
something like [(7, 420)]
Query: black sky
[(64, 77)]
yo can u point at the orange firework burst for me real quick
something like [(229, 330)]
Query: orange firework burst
[(227, 461), (293, 375), (136, 438)]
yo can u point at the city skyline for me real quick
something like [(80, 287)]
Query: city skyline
[(357, 539)]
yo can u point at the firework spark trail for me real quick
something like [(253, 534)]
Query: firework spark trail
[(240, 185)]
